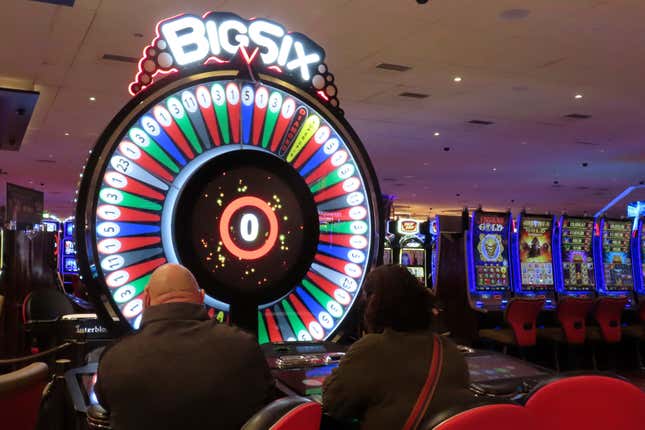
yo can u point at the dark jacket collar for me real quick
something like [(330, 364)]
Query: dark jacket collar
[(174, 311)]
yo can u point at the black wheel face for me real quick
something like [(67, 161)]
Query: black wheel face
[(255, 186), (246, 225)]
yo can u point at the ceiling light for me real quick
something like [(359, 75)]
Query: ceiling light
[(66, 133), (494, 169), (578, 96), (436, 133), (92, 98), (457, 79)]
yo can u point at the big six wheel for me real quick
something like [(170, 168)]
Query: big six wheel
[(257, 187)]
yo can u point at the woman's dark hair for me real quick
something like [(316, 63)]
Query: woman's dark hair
[(396, 299)]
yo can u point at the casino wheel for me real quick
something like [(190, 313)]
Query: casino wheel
[(256, 187)]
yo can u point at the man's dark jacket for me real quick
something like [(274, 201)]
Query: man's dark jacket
[(182, 370)]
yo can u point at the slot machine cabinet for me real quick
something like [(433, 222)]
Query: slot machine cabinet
[(411, 244), (574, 257), (388, 245), (434, 234), (534, 271), (614, 276), (68, 262), (488, 260), (638, 251)]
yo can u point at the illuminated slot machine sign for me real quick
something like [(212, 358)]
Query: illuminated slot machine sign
[(235, 160), (67, 250), (488, 260), (412, 252), (615, 277), (435, 242), (576, 273), (534, 255)]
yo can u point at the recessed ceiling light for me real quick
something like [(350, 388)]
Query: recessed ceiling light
[(92, 98), (436, 133), (578, 96), (494, 169), (524, 142), (457, 79), (66, 133)]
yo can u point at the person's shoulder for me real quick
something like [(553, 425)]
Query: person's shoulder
[(368, 342), (230, 333)]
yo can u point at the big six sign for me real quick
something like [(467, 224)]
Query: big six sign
[(186, 41)]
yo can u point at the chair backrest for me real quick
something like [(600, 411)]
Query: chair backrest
[(607, 314), (497, 417), (572, 314), (521, 314), (45, 304), (20, 395), (589, 402), (287, 413)]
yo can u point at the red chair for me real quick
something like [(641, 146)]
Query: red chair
[(589, 402), (20, 395), (490, 417), (608, 314), (287, 413), (572, 315), (521, 315)]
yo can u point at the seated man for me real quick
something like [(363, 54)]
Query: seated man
[(182, 370)]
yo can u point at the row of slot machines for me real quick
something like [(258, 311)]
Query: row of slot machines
[(541, 256), (414, 243), (66, 246)]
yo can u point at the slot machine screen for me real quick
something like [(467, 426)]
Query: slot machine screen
[(70, 247), (414, 260), (577, 253), (70, 265), (617, 263), (387, 255), (491, 251), (536, 253), (69, 229)]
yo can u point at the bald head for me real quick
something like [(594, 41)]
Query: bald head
[(173, 283)]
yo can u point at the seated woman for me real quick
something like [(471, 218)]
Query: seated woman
[(401, 371)]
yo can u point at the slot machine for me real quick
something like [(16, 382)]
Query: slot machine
[(435, 242), (639, 259), (573, 255), (411, 245), (533, 256), (68, 262), (614, 277), (488, 260)]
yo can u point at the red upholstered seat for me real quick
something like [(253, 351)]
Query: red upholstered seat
[(521, 315), (572, 315), (493, 417), (20, 395), (608, 314), (589, 402), (288, 413)]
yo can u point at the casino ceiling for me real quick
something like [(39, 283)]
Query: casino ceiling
[(547, 116)]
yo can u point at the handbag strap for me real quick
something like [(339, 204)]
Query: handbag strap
[(427, 392)]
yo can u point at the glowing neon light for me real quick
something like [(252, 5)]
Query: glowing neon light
[(224, 227), (187, 40)]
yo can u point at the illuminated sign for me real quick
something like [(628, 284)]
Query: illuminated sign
[(186, 41), (407, 226)]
